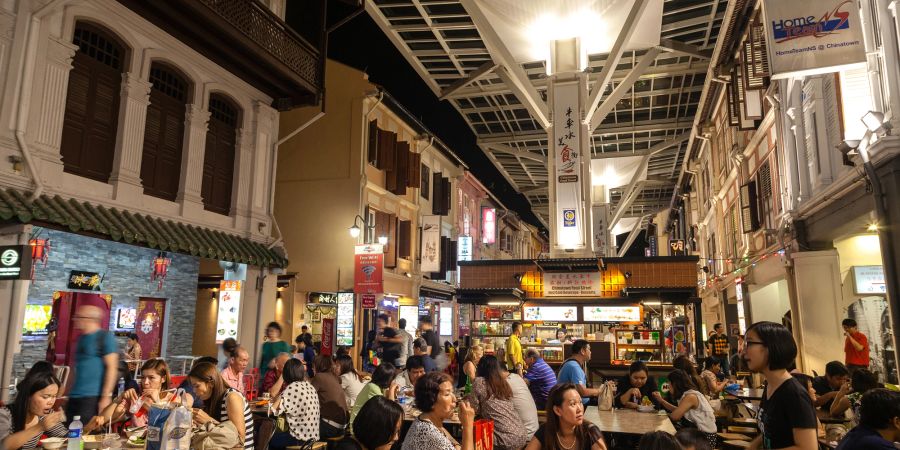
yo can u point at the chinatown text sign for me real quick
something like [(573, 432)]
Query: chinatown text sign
[(574, 284), (566, 141)]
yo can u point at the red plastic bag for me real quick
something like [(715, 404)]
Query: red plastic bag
[(484, 434)]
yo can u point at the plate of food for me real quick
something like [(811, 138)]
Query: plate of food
[(53, 443)]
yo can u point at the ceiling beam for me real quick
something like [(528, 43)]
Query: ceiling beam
[(632, 235), (511, 71), (636, 127), (673, 46), (518, 153), (615, 54), (475, 75), (600, 113)]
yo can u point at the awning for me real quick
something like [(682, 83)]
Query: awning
[(136, 229), (483, 295)]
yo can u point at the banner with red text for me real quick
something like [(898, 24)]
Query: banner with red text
[(368, 266)]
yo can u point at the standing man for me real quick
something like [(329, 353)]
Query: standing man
[(856, 346), (514, 360), (389, 339), (540, 377), (406, 347), (96, 366), (572, 372), (720, 346), (435, 351), (304, 331), (234, 373)]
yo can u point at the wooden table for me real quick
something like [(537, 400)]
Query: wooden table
[(746, 394), (628, 421), (410, 414)]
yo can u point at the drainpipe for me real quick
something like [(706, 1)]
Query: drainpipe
[(32, 35)]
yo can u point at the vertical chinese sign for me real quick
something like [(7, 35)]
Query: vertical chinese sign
[(368, 269), (229, 310), (568, 192), (431, 244)]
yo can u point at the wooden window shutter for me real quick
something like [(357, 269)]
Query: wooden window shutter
[(397, 179), (381, 226), (446, 192), (749, 207), (390, 257), (404, 239), (437, 194), (454, 252), (734, 114), (425, 182), (445, 257), (372, 149), (414, 176), (218, 159), (164, 133), (387, 142)]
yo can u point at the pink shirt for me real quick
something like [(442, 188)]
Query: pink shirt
[(235, 380)]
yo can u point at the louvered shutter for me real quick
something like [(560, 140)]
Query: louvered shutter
[(397, 179), (749, 207), (218, 159), (414, 176), (163, 139), (437, 194), (387, 141), (446, 192), (404, 239), (390, 257), (425, 182), (372, 149)]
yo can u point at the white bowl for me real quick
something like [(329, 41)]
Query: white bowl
[(646, 409), (53, 443)]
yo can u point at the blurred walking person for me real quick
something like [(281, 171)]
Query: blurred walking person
[(96, 365)]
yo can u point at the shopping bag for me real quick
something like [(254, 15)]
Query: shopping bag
[(216, 437), (169, 426), (484, 434), (607, 396)]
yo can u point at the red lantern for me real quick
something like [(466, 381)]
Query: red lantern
[(40, 251), (159, 269)]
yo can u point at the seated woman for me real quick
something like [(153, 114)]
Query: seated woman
[(134, 404), (635, 386), (492, 399), (31, 414), (382, 384), (471, 363), (692, 405), (684, 363), (710, 376), (849, 396), (220, 403), (565, 427), (378, 427), (436, 400), (300, 405), (351, 381)]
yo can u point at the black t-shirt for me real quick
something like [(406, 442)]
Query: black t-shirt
[(539, 434), (624, 384), (790, 407), (390, 351), (821, 386), (434, 341)]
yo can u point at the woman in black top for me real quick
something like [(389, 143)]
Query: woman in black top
[(377, 428), (565, 427), (787, 418), (633, 387)]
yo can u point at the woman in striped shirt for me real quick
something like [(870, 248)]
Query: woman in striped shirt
[(31, 414), (221, 402)]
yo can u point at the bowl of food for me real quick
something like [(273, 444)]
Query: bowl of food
[(96, 440), (135, 432), (53, 443), (646, 408)]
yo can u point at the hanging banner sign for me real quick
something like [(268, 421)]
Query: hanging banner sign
[(431, 243), (601, 229), (327, 336), (805, 38), (229, 310), (572, 284), (368, 269), (488, 225), (566, 142), (367, 301), (464, 249)]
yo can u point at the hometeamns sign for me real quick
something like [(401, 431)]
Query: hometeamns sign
[(566, 143), (809, 37), (368, 268)]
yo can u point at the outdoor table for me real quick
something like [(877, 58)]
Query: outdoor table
[(628, 421), (412, 413), (746, 394)]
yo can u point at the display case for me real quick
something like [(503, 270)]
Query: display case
[(551, 353), (640, 344), (490, 334)]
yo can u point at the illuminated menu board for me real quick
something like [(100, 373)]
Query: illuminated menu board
[(345, 318), (551, 313), (229, 310), (611, 313)]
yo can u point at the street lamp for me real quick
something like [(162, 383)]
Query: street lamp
[(383, 240), (355, 229)]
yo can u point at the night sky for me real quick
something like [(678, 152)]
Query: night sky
[(362, 45)]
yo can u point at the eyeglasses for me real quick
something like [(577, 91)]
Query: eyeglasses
[(748, 342)]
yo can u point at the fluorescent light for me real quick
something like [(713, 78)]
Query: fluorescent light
[(503, 303), (652, 303)]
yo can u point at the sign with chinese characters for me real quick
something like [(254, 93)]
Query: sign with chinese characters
[(15, 262), (327, 336), (611, 313), (84, 280), (868, 280), (345, 319), (229, 310), (367, 269), (676, 247), (601, 229), (367, 301), (567, 167), (572, 284), (554, 313), (464, 248), (325, 298), (805, 38), (488, 225), (431, 243)]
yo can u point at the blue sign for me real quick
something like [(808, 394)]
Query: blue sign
[(568, 217)]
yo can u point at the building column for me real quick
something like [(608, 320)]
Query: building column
[(817, 315), (13, 297), (889, 234), (49, 108), (196, 124), (126, 175), (258, 295), (266, 134), (243, 172)]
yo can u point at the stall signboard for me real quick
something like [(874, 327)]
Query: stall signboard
[(15, 262), (323, 298), (554, 313), (601, 229), (431, 244), (229, 310), (611, 313), (344, 319), (868, 280), (572, 284), (368, 269), (806, 38), (464, 249), (446, 321), (79, 279), (488, 225), (676, 247), (327, 347), (367, 301), (568, 192)]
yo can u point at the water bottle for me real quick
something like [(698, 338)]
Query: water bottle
[(75, 435), (121, 386)]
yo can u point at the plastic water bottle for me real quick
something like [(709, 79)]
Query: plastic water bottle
[(121, 386), (75, 434)]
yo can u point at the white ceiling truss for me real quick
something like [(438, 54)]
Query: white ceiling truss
[(649, 98)]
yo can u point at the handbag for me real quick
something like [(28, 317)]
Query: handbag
[(216, 437), (169, 425), (484, 434), (607, 394), (281, 424)]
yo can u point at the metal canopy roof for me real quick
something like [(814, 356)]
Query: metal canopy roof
[(441, 42)]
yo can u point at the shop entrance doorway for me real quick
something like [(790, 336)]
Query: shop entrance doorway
[(65, 305), (149, 326)]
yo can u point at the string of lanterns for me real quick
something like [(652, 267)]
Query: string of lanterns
[(745, 264)]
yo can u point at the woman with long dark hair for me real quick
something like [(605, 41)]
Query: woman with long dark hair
[(566, 428), (351, 381), (31, 414), (492, 399), (682, 362), (692, 405), (635, 386), (300, 404), (378, 427), (220, 402), (382, 384)]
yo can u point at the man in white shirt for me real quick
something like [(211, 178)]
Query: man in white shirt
[(523, 402), (406, 347)]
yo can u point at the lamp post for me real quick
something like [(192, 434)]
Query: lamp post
[(355, 229)]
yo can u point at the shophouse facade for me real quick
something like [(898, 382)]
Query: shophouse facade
[(135, 156)]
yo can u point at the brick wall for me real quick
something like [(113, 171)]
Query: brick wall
[(127, 277)]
